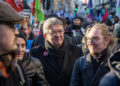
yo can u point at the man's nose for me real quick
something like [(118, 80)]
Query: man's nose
[(19, 49), (16, 32)]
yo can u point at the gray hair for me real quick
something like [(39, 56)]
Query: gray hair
[(50, 22)]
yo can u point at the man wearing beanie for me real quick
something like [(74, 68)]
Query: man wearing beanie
[(76, 30), (11, 72)]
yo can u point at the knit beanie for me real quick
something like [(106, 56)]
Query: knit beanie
[(22, 35), (77, 17)]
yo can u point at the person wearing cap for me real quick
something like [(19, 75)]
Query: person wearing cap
[(11, 72), (76, 30), (32, 66)]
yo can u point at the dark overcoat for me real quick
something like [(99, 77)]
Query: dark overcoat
[(55, 75)]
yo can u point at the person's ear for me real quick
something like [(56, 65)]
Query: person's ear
[(107, 40)]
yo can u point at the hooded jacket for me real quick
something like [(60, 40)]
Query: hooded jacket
[(113, 77)]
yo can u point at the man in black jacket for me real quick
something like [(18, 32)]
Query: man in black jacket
[(11, 73), (89, 69), (57, 54)]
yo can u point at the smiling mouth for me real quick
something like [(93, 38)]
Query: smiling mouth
[(19, 54), (57, 39)]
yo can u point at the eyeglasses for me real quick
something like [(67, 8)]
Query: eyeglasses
[(55, 32), (94, 39)]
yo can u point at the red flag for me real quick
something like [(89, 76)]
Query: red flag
[(105, 15), (85, 1), (16, 4), (33, 8)]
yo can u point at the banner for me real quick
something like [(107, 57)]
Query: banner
[(90, 10), (118, 8), (37, 10), (16, 4)]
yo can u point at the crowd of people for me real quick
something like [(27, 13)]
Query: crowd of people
[(64, 53)]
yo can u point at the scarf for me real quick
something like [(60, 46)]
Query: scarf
[(57, 53), (5, 71), (7, 64)]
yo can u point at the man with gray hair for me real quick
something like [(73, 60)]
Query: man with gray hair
[(11, 74), (57, 55)]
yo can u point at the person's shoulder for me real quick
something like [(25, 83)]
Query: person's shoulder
[(36, 51), (75, 48), (110, 79), (81, 59), (80, 62), (36, 61), (34, 58), (36, 48)]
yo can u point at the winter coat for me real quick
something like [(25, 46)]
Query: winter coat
[(34, 70), (76, 32), (83, 73), (57, 62), (113, 77)]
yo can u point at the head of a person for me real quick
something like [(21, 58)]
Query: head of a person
[(77, 20), (53, 31), (98, 38), (25, 29), (21, 45), (116, 19), (8, 18), (27, 17), (116, 31)]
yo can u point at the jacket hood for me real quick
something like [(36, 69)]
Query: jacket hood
[(114, 63)]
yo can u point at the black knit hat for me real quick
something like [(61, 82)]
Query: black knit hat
[(77, 17), (22, 35)]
